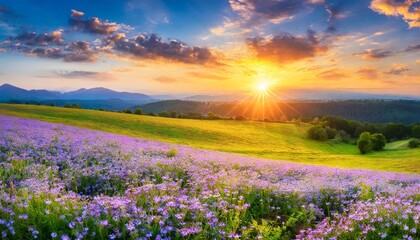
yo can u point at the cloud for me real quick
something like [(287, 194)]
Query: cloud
[(153, 47), (333, 74), (94, 25), (84, 75), (52, 46), (335, 12), (286, 48), (368, 73), (45, 39), (163, 79), (412, 48), (373, 54), (110, 41), (210, 76), (398, 69), (275, 11), (409, 10)]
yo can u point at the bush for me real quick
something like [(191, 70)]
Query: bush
[(317, 133), (415, 131), (173, 114), (212, 116), (378, 141), (364, 143), (240, 118), (331, 132), (164, 114), (127, 111), (138, 111), (413, 143), (344, 137), (171, 153)]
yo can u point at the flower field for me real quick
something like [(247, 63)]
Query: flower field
[(61, 182)]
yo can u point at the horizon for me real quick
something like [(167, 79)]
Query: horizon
[(321, 94), (224, 47)]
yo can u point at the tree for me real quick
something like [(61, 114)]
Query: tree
[(164, 114), (378, 141), (138, 111), (344, 137), (331, 132), (240, 118), (173, 114), (127, 111), (415, 131), (317, 133), (413, 143), (364, 143)]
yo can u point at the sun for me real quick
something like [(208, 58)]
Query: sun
[(262, 87)]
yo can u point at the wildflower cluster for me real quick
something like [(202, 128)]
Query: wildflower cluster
[(62, 182)]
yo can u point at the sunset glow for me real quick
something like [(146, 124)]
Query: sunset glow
[(222, 47)]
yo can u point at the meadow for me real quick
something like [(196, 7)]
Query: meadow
[(64, 182), (278, 141)]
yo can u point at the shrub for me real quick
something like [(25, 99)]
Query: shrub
[(138, 111), (317, 133), (413, 143), (212, 116), (164, 114), (415, 131), (344, 137), (171, 153), (331, 132), (127, 111), (240, 118), (173, 114), (378, 141), (364, 143)]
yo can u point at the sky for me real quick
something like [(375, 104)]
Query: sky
[(211, 47)]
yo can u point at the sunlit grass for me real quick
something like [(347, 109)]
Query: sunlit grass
[(266, 140)]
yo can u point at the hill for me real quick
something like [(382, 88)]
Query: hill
[(266, 140), (374, 111), (11, 93)]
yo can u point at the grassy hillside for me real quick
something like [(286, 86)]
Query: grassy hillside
[(266, 140)]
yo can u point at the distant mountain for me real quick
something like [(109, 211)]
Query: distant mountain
[(104, 93), (87, 98), (216, 98)]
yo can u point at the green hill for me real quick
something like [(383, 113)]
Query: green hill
[(266, 140)]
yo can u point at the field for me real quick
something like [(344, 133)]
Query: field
[(265, 140), (63, 182)]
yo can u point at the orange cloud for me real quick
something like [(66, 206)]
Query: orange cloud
[(407, 9)]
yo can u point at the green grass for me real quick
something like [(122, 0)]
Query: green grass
[(266, 140)]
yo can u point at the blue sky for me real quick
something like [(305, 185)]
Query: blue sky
[(193, 46)]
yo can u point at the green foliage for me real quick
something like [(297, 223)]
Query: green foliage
[(413, 143), (343, 136), (240, 118), (127, 111), (171, 153), (317, 133), (164, 114), (331, 132), (378, 141), (415, 131), (68, 105), (364, 143), (173, 114), (396, 131), (212, 116), (138, 111)]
